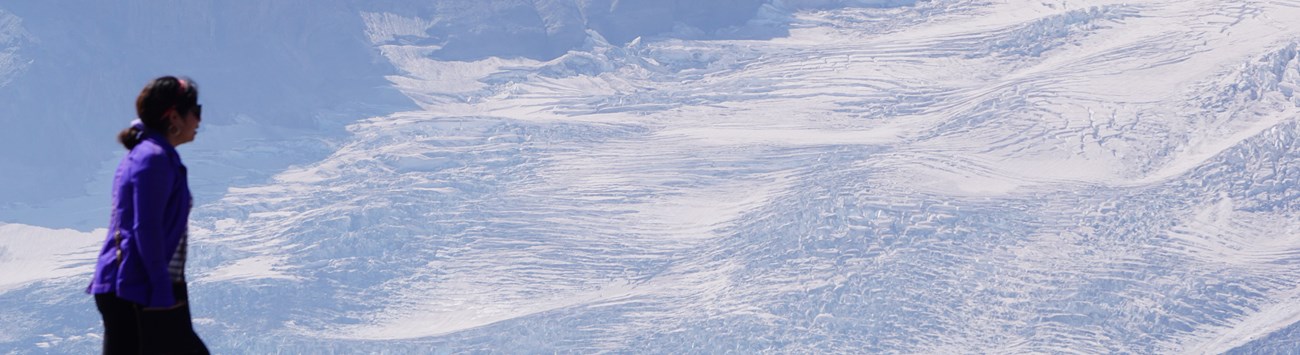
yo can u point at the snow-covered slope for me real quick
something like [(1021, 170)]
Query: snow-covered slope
[(925, 177)]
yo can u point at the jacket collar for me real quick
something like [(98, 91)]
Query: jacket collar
[(161, 140)]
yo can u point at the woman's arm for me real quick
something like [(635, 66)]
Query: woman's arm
[(153, 179)]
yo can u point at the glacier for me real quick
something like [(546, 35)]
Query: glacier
[(777, 176)]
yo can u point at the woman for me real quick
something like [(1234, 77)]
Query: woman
[(139, 282)]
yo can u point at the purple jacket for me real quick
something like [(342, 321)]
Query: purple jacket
[(151, 210)]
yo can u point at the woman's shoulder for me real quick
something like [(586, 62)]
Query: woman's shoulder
[(149, 154), (147, 149)]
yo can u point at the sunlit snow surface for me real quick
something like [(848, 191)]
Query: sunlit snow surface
[(946, 177)]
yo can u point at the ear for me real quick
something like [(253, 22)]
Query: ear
[(172, 117)]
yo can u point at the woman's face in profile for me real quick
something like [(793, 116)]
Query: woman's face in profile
[(188, 124)]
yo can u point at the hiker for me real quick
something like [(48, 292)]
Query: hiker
[(139, 282)]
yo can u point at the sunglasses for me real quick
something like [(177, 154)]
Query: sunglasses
[(185, 87), (198, 112)]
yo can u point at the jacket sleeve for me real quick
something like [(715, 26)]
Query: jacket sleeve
[(153, 180)]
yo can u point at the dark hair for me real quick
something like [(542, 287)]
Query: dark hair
[(159, 96)]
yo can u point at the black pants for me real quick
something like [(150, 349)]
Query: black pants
[(130, 329)]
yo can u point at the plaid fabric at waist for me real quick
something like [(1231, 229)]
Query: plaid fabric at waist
[(177, 266)]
